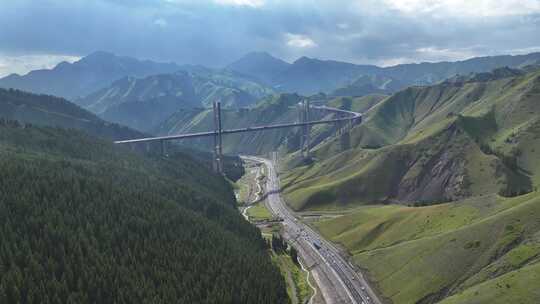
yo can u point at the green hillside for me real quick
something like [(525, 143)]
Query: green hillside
[(439, 191), (84, 221), (53, 111), (145, 103), (480, 250), (356, 104), (369, 84), (431, 144)]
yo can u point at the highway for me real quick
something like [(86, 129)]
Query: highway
[(336, 278)]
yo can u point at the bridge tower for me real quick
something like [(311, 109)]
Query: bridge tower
[(303, 113), (218, 142)]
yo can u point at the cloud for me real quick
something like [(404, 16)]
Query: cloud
[(484, 8), (251, 3), (26, 63), (342, 26), (216, 32), (161, 22), (437, 54), (299, 41)]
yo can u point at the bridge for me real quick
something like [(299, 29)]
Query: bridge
[(344, 119)]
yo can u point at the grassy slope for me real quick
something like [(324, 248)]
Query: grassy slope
[(468, 248), (447, 165), (357, 104), (482, 248), (424, 137)]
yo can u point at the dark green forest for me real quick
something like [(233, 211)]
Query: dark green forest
[(46, 110), (84, 221)]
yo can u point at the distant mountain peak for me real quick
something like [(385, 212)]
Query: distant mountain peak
[(257, 58), (303, 59), (11, 76), (259, 55), (91, 73), (100, 54), (260, 65)]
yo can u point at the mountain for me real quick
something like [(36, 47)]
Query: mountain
[(422, 141), (140, 103), (436, 197), (143, 103), (173, 88), (53, 111), (259, 65), (430, 73), (357, 104), (93, 72), (309, 76), (496, 74), (86, 221), (234, 90), (369, 84)]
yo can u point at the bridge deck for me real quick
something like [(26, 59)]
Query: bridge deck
[(353, 116)]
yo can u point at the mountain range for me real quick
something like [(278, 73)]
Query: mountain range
[(143, 94), (435, 193), (310, 76), (93, 72), (143, 103), (305, 76)]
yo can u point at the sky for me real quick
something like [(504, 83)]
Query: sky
[(39, 34)]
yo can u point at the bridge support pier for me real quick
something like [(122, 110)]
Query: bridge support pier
[(218, 143), (163, 146)]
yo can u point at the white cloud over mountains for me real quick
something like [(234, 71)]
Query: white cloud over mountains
[(251, 3), (26, 63), (215, 32), (466, 8), (299, 41)]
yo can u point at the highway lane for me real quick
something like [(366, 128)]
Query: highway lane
[(337, 279)]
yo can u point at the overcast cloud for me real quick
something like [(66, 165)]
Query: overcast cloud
[(215, 32)]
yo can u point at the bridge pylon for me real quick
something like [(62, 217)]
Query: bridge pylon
[(218, 142), (304, 116)]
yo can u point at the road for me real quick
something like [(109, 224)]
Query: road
[(337, 279)]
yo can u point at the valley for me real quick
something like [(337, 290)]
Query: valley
[(429, 196), (337, 280)]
